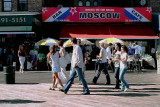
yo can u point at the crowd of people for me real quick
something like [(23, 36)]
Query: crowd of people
[(58, 59), (79, 59)]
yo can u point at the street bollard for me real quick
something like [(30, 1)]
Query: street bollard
[(9, 72)]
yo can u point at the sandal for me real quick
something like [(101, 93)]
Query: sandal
[(51, 88)]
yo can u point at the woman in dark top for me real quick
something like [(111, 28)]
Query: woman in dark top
[(21, 55)]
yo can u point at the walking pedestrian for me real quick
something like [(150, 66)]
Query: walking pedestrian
[(117, 64), (102, 65), (54, 56), (77, 65), (63, 74), (21, 54), (85, 56), (123, 68)]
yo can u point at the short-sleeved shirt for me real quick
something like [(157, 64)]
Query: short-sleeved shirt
[(130, 50), (109, 52), (138, 49), (123, 64), (117, 54), (103, 60)]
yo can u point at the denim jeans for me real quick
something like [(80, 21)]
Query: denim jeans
[(102, 67), (121, 77), (137, 63), (116, 75), (75, 71)]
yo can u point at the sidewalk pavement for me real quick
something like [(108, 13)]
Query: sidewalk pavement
[(31, 90)]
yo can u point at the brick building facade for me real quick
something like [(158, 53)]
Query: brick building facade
[(155, 4), (36, 5), (32, 5)]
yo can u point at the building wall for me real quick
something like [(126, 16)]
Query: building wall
[(84, 1), (155, 4), (33, 5)]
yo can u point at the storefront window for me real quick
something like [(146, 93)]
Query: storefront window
[(7, 5), (88, 3), (95, 3), (60, 5), (22, 5), (143, 2), (140, 3), (80, 3)]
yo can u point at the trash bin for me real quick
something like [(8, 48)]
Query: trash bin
[(9, 72)]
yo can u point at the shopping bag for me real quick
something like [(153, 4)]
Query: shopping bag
[(68, 58), (62, 62), (63, 77)]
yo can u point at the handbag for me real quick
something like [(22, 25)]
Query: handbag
[(62, 62), (98, 61)]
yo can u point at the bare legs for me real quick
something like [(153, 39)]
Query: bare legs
[(55, 77)]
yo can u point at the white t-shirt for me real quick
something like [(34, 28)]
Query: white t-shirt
[(123, 64), (103, 55), (117, 54), (109, 52)]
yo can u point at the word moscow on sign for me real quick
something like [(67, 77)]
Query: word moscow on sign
[(99, 15), (96, 14)]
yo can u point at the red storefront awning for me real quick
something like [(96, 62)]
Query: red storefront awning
[(108, 31)]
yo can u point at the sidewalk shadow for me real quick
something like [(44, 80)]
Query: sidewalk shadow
[(122, 95), (20, 101), (143, 84), (153, 90), (129, 94), (26, 83)]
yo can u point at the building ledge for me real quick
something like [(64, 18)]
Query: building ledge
[(19, 13)]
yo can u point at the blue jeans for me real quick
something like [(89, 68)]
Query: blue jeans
[(116, 75), (137, 63), (75, 71), (121, 77)]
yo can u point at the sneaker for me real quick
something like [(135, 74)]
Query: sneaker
[(117, 87), (86, 93), (51, 88), (125, 89), (120, 90)]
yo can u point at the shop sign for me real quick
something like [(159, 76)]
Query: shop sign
[(96, 14), (16, 20)]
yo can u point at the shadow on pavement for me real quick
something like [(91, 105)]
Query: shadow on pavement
[(122, 94), (128, 94), (26, 83), (19, 101), (143, 84), (147, 90)]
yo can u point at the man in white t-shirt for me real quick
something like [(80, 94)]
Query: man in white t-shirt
[(109, 58)]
